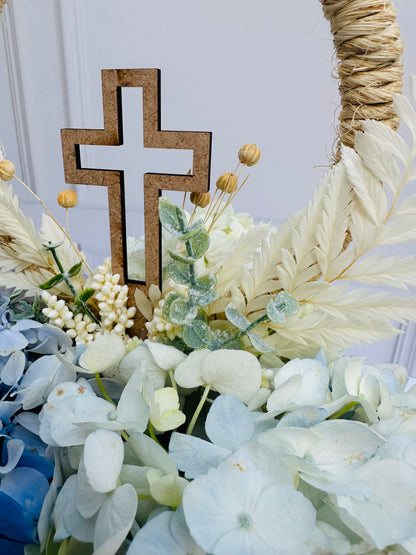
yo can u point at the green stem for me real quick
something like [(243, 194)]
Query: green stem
[(103, 390), (153, 435), (172, 380), (61, 269), (242, 333), (198, 410)]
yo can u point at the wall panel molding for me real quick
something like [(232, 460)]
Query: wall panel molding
[(14, 70)]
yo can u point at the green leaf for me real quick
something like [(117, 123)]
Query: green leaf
[(208, 298), (52, 282), (84, 296), (259, 344), (196, 334), (75, 270), (179, 272), (193, 230), (199, 243), (203, 285), (172, 218), (181, 312), (168, 301), (180, 258), (36, 305), (236, 318)]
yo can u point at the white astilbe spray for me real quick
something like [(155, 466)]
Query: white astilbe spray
[(319, 251)]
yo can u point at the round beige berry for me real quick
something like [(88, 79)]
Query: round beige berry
[(227, 182), (249, 155), (67, 198), (7, 170), (200, 199)]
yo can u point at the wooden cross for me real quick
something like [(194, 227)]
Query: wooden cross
[(153, 137)]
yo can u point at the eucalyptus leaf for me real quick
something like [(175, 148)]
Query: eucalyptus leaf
[(168, 301), (236, 318), (208, 298), (286, 304), (259, 344), (50, 245), (196, 334), (75, 270), (181, 312), (203, 285), (193, 230), (52, 282), (199, 243), (180, 258), (179, 272), (171, 218), (274, 313)]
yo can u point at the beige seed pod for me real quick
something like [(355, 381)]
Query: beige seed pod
[(249, 155), (200, 199), (227, 182), (7, 170), (67, 198)]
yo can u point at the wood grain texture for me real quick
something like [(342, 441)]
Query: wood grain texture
[(113, 80)]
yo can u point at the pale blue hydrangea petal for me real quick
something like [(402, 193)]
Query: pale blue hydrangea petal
[(114, 520), (88, 501), (137, 477), (49, 501), (66, 518), (10, 341), (103, 458), (51, 339), (229, 422), (195, 456), (103, 354), (401, 447), (139, 359), (304, 417), (29, 420), (14, 448), (243, 512), (165, 534), (149, 453), (133, 409), (388, 517), (23, 325), (13, 369), (7, 410)]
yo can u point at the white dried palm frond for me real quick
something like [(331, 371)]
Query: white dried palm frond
[(20, 244), (241, 255), (357, 208), (30, 279)]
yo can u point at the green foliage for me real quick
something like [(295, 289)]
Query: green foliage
[(52, 282), (186, 310), (75, 270)]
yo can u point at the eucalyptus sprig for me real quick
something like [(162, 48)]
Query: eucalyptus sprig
[(278, 309), (186, 310)]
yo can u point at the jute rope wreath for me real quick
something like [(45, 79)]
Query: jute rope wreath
[(369, 49)]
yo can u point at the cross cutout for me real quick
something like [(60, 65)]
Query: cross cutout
[(153, 137)]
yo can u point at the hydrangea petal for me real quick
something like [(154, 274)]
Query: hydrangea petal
[(16, 523), (114, 520), (28, 487), (188, 374), (166, 357), (103, 354), (103, 459), (235, 372), (13, 369), (87, 499), (14, 449), (149, 453), (11, 340), (229, 422), (193, 455)]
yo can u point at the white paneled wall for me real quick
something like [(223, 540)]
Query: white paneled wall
[(249, 72)]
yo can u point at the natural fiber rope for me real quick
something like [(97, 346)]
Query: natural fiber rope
[(367, 41)]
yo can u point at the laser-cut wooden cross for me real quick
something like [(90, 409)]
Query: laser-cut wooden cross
[(113, 80)]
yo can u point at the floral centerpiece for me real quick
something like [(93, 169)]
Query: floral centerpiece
[(237, 427)]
